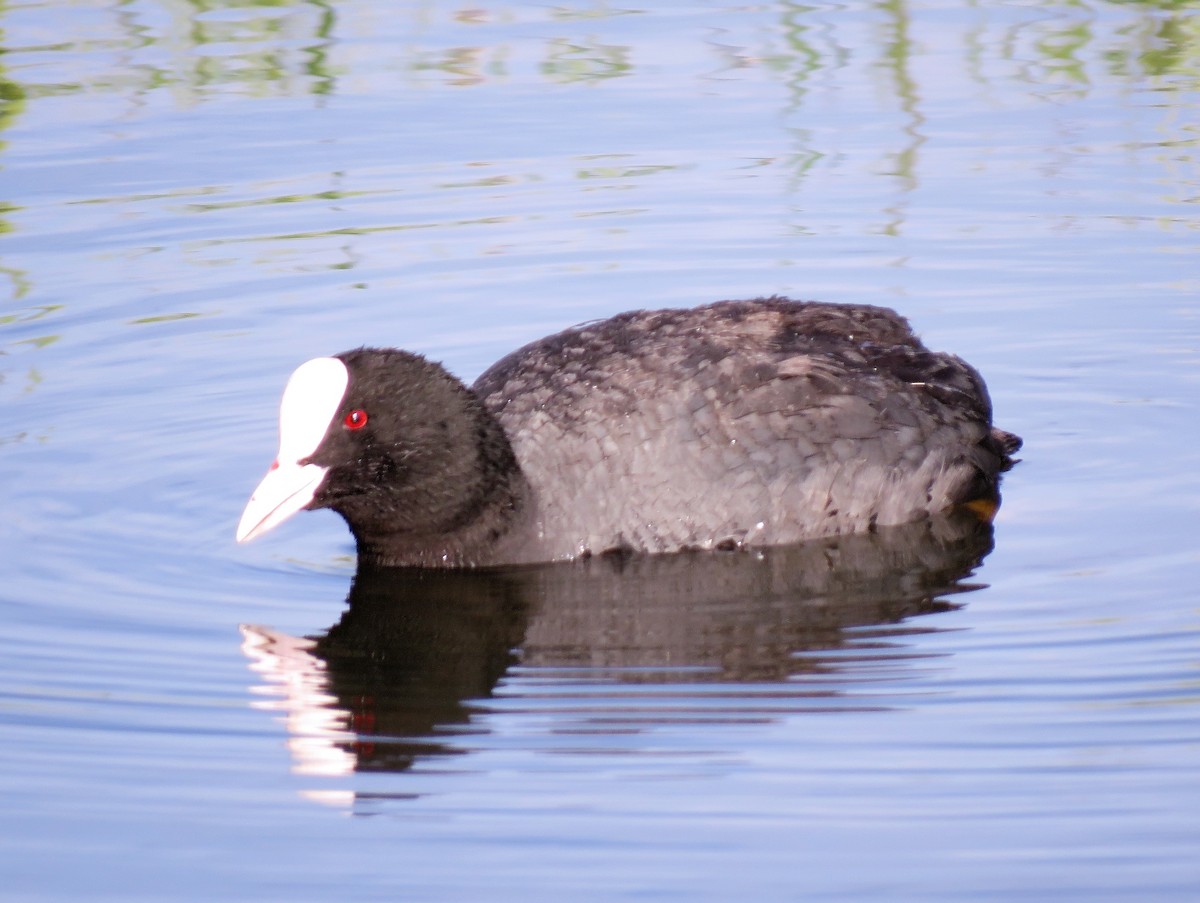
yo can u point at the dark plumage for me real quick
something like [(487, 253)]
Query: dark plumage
[(742, 423)]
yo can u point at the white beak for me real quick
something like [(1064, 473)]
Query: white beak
[(310, 402), (286, 489)]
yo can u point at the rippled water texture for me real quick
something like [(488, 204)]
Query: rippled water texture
[(196, 197)]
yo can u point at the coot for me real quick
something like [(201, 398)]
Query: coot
[(736, 424)]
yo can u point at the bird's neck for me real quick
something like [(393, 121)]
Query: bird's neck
[(492, 527)]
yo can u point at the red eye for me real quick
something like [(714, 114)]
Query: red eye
[(356, 419)]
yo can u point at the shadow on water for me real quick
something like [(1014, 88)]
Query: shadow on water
[(414, 664)]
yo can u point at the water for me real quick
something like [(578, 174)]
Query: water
[(197, 198)]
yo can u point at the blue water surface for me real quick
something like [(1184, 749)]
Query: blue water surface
[(196, 198)]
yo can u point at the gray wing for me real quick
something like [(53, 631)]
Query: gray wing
[(740, 423)]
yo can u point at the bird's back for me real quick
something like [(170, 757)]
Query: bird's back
[(743, 422)]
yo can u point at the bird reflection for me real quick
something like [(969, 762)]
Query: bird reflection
[(414, 662)]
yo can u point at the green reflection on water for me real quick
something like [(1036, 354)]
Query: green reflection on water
[(40, 341), (626, 172), (565, 13), (165, 318), (12, 104), (30, 314), (590, 61), (12, 100), (286, 47), (285, 199), (1056, 51), (897, 56), (1061, 53)]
